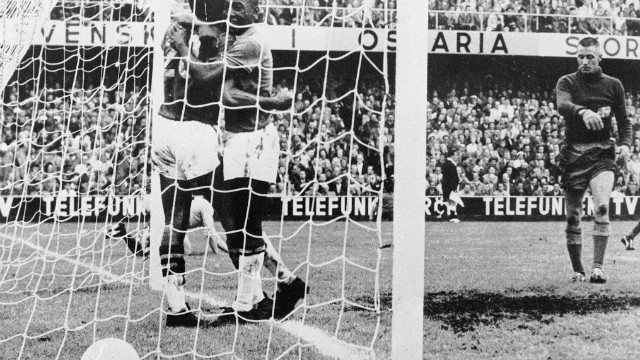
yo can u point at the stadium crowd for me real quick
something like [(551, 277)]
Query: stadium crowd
[(89, 140), (562, 16), (374, 13), (505, 142), (82, 141), (578, 17)]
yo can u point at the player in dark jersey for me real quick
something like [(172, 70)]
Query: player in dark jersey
[(588, 100)]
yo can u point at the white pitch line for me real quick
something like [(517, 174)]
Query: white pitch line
[(210, 299), (326, 344), (56, 256)]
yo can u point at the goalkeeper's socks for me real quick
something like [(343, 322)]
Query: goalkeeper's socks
[(599, 249), (249, 282), (575, 254)]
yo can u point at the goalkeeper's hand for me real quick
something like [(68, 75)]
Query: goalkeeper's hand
[(623, 155), (283, 100), (178, 38), (185, 19)]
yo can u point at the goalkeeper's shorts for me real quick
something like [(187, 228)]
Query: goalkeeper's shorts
[(253, 154), (582, 162), (184, 150)]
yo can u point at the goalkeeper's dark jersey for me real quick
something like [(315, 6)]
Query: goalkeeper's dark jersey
[(599, 93)]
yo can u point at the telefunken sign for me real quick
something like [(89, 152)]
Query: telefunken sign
[(113, 208), (527, 207)]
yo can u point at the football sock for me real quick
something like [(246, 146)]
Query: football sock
[(174, 291), (249, 282), (575, 254), (599, 248)]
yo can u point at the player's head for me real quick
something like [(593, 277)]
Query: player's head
[(208, 10), (242, 13), (588, 55)]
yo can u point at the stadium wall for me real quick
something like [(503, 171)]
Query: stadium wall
[(301, 208), (114, 208)]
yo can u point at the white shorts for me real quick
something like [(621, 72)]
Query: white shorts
[(184, 150), (252, 154)]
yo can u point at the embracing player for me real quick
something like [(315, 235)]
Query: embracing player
[(587, 99), (251, 156), (206, 77)]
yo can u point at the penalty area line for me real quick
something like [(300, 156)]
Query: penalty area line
[(56, 256), (210, 299)]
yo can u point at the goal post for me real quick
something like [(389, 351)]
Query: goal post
[(162, 20), (75, 169), (410, 169)]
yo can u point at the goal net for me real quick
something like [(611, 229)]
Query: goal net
[(78, 107)]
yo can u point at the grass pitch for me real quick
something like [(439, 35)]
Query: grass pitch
[(60, 291), (493, 291), (502, 291)]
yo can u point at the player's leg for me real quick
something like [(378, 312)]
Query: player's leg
[(273, 262), (627, 240), (176, 202), (573, 200), (245, 243), (290, 288), (601, 186)]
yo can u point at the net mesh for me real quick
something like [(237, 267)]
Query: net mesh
[(74, 160)]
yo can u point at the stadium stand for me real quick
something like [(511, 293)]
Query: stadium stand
[(581, 17), (30, 147), (506, 140), (495, 132)]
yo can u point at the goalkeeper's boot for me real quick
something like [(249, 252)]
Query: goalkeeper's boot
[(180, 313), (625, 242), (578, 277), (287, 296), (116, 231), (630, 245), (598, 276)]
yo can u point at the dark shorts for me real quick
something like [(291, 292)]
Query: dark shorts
[(581, 163), (446, 193)]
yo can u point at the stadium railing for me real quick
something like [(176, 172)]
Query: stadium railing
[(607, 25)]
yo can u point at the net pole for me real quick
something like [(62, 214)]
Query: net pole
[(162, 19), (410, 169)]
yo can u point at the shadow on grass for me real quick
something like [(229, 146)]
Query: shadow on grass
[(463, 311)]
